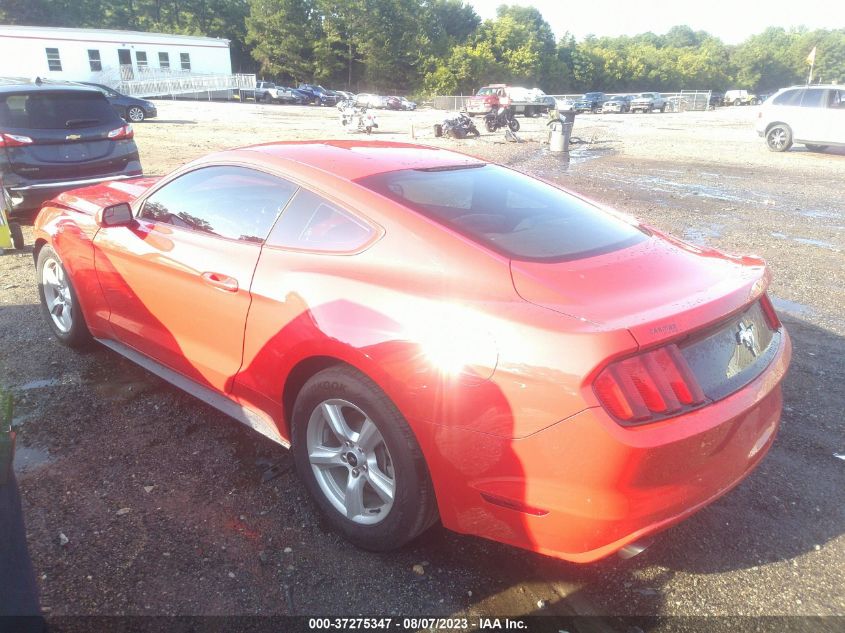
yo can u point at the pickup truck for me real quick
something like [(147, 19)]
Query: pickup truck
[(520, 100), (590, 102), (264, 91), (648, 102)]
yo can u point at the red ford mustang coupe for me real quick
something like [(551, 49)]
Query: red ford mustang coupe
[(434, 336)]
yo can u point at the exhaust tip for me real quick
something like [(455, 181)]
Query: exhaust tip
[(635, 549)]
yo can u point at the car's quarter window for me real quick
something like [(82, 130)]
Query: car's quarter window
[(788, 98), (836, 99), (516, 215), (813, 98), (237, 203), (310, 222)]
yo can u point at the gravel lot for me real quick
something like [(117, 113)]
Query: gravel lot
[(171, 508)]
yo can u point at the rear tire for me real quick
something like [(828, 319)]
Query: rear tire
[(17, 235), (360, 460), (135, 114), (779, 138), (59, 302)]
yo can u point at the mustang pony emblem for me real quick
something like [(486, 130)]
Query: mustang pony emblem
[(745, 337)]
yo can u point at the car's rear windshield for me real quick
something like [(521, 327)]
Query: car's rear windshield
[(516, 215), (55, 110)]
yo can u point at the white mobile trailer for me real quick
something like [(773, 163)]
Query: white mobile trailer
[(106, 56)]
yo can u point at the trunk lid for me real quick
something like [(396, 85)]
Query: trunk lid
[(658, 289)]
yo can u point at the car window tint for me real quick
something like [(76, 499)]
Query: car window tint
[(514, 214), (310, 222), (788, 98), (56, 110), (836, 99), (232, 202), (813, 98)]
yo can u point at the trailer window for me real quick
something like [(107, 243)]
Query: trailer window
[(94, 60), (54, 61), (185, 58)]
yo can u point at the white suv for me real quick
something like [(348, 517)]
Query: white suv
[(812, 115)]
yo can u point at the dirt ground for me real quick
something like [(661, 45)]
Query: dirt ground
[(168, 507)]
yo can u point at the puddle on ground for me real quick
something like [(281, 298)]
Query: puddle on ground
[(39, 384), (807, 241), (29, 458), (701, 235), (814, 213), (791, 307), (672, 186)]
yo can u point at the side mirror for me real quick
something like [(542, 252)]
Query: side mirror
[(115, 215)]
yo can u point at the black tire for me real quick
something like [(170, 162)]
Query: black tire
[(779, 137), (473, 131), (438, 130), (414, 507), (77, 335), (135, 114), (663, 108), (490, 124), (810, 146), (17, 235), (513, 124), (737, 102)]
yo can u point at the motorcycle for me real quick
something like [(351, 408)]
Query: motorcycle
[(458, 125), (360, 119), (499, 118)]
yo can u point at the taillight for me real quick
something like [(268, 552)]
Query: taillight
[(14, 140), (652, 385), (121, 133), (772, 317)]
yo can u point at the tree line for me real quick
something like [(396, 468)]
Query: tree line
[(443, 47)]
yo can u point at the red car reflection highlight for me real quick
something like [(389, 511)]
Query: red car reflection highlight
[(571, 380)]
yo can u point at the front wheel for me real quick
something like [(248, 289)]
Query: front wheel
[(135, 114), (59, 302), (490, 124), (513, 124), (360, 461), (779, 138)]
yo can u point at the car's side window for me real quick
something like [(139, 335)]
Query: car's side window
[(836, 99), (813, 98), (310, 222), (789, 98), (232, 202)]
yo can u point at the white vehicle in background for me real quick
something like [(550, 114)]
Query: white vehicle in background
[(564, 104), (811, 115), (740, 97)]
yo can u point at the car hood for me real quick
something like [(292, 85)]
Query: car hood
[(91, 199), (657, 289)]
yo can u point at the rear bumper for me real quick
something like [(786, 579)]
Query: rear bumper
[(586, 487)]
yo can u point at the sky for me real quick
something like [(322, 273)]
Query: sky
[(731, 20)]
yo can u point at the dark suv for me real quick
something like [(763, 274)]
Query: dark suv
[(59, 137)]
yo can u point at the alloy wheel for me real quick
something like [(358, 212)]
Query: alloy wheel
[(351, 462), (136, 114), (57, 295)]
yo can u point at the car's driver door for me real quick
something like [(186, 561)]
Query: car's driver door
[(177, 280)]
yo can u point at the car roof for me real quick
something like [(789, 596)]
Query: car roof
[(22, 87), (351, 159)]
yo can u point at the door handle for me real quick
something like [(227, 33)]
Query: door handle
[(221, 281)]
